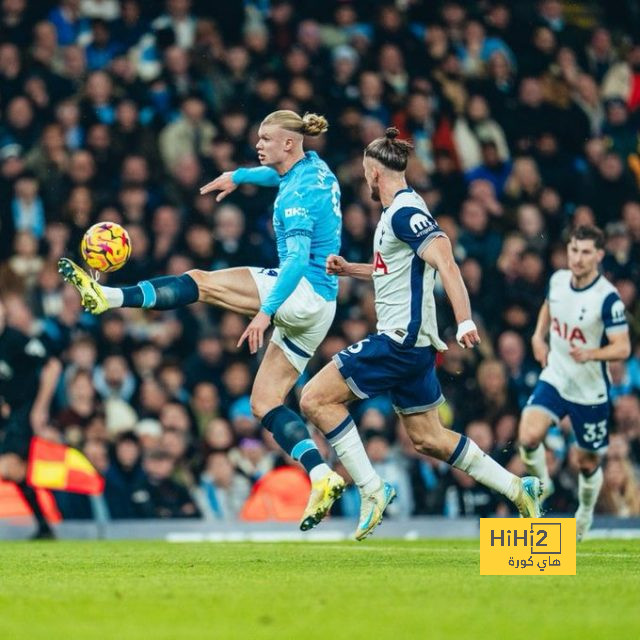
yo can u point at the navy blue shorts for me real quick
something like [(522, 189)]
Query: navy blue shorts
[(589, 421), (377, 364)]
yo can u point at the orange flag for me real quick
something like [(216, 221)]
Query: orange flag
[(56, 466)]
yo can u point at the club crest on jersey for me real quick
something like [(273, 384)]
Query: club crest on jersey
[(563, 330), (421, 224)]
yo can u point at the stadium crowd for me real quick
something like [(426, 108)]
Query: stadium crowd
[(525, 120)]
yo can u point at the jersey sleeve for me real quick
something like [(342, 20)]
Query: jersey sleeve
[(613, 314), (415, 227), (291, 272), (261, 176)]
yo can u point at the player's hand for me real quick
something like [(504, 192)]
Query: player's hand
[(580, 355), (223, 183), (336, 265), (467, 335), (254, 333), (540, 351)]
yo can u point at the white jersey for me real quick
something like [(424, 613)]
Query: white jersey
[(403, 282), (581, 318)]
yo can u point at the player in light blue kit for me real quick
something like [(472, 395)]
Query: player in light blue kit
[(408, 249), (299, 297)]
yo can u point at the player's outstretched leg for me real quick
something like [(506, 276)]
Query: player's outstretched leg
[(590, 482), (431, 438), (273, 382), (167, 292), (232, 289), (534, 425), (324, 401)]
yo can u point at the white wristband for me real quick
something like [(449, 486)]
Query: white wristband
[(463, 328)]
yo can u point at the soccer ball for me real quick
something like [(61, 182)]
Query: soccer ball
[(106, 246)]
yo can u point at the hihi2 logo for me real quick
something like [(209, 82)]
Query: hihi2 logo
[(523, 546)]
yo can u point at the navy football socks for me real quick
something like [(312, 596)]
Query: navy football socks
[(166, 292), (292, 435)]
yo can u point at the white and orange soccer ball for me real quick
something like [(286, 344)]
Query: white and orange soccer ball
[(106, 246)]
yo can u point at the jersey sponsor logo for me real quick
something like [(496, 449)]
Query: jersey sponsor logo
[(618, 312), (379, 264), (295, 211), (420, 224), (564, 331)]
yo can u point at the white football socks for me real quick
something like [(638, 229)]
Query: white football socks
[(485, 470), (113, 295), (536, 463), (350, 450), (589, 489), (319, 471)]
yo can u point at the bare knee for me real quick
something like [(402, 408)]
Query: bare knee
[(533, 428), (311, 401), (588, 463), (264, 400), (208, 288)]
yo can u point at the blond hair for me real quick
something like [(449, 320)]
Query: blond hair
[(310, 124)]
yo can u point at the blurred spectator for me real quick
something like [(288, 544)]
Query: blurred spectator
[(166, 497), (224, 488), (620, 495)]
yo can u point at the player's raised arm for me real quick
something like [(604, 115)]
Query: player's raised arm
[(338, 266), (228, 182), (539, 342), (439, 255)]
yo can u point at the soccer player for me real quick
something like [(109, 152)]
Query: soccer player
[(28, 379), (299, 298), (585, 321), (408, 249)]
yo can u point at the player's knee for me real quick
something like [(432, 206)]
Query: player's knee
[(587, 466), (310, 402), (527, 436), (528, 439), (199, 276), (260, 405)]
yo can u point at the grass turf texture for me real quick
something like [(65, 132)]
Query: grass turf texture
[(375, 590)]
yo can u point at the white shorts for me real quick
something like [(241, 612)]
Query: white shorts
[(303, 320)]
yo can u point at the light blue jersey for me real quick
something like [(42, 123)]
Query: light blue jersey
[(307, 221)]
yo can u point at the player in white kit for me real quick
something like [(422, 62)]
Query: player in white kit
[(585, 321), (409, 248)]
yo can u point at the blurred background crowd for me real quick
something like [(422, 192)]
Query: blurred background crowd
[(525, 120)]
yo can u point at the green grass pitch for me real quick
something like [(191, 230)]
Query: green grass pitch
[(374, 590)]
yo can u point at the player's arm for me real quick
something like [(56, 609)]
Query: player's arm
[(619, 348), (617, 331), (298, 230), (49, 377), (338, 266), (438, 254), (539, 339), (229, 180)]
